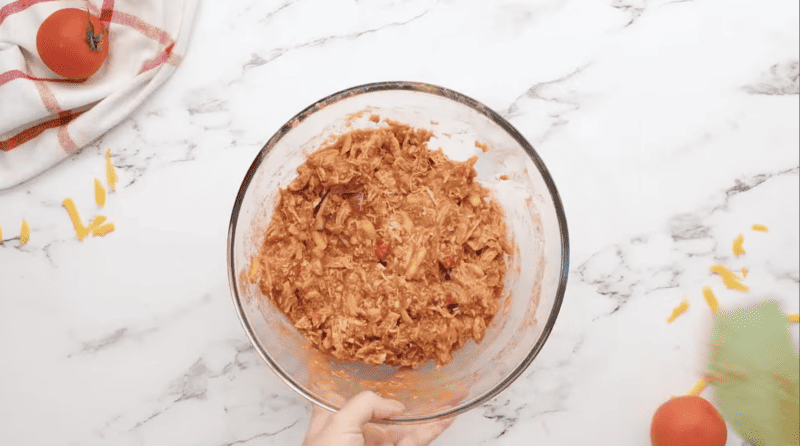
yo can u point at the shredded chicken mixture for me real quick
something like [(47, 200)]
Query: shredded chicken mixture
[(385, 252)]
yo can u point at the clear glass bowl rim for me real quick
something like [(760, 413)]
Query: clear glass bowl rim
[(469, 102)]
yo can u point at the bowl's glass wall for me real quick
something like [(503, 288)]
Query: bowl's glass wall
[(533, 284)]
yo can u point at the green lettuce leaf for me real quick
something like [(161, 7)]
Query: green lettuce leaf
[(753, 373)]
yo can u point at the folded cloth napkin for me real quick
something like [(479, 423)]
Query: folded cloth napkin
[(43, 121)]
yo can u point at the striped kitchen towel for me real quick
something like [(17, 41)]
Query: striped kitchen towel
[(42, 120)]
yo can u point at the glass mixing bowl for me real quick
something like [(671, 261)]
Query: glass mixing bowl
[(535, 280)]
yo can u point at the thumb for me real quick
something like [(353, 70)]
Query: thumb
[(364, 407)]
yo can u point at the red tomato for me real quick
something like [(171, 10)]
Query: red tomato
[(72, 43), (688, 421), (382, 250)]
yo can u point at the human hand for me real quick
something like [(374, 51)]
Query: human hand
[(351, 426)]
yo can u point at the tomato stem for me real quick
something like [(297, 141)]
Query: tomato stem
[(94, 40)]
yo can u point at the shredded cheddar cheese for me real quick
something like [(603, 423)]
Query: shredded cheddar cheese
[(99, 193), (677, 311), (111, 174), (1, 235), (24, 233), (737, 245), (103, 230), (729, 278), (97, 221), (731, 281), (711, 300), (698, 387), (81, 230)]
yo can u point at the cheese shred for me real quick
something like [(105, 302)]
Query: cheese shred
[(792, 318), (97, 221), (711, 300), (760, 228), (99, 193), (111, 173), (677, 311), (737, 245), (744, 272), (729, 278), (81, 230), (103, 230), (24, 233), (698, 387)]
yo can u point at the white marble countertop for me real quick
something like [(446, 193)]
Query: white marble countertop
[(670, 127)]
